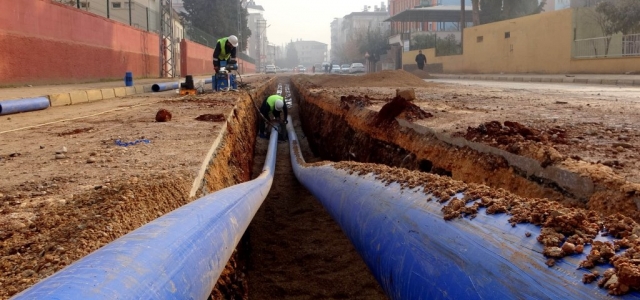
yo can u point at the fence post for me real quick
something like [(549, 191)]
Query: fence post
[(130, 21), (108, 9), (147, 19), (78, 3)]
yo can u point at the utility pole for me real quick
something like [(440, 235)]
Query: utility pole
[(463, 23)]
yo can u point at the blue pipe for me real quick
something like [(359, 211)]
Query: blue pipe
[(23, 105), (161, 87), (414, 254), (166, 86), (177, 256)]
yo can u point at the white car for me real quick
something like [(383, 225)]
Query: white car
[(302, 69), (344, 69), (356, 68), (335, 69), (270, 69)]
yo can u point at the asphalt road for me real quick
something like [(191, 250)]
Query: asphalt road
[(575, 89)]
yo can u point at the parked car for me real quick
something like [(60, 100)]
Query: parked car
[(302, 69), (356, 68), (344, 69), (335, 69), (270, 69)]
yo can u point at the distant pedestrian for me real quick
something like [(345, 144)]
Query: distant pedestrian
[(313, 69), (421, 59)]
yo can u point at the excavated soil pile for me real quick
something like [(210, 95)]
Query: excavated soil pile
[(398, 106), (397, 78), (50, 236), (351, 100), (75, 131), (211, 118), (564, 231), (520, 139)]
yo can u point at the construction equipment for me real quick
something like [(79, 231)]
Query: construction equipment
[(223, 80), (188, 87)]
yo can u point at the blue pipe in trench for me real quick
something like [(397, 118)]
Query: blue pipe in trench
[(23, 105), (177, 256), (415, 254)]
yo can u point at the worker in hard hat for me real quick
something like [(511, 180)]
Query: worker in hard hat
[(272, 106), (225, 50)]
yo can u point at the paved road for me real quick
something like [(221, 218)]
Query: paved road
[(575, 89)]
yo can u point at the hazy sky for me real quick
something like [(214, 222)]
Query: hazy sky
[(307, 19)]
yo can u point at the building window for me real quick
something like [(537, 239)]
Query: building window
[(480, 39), (84, 4), (116, 4), (507, 34)]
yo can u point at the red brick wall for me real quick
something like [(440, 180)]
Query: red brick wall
[(197, 59), (46, 42)]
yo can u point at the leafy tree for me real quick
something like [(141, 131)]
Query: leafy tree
[(217, 18), (292, 59), (499, 10), (424, 41), (621, 15), (348, 52), (375, 43)]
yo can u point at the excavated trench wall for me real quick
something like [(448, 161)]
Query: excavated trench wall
[(339, 133)]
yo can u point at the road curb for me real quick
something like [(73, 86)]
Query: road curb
[(623, 82), (84, 96)]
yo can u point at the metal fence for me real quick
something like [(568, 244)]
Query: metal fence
[(124, 11), (609, 46)]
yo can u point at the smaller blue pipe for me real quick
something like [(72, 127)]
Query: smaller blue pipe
[(177, 256), (166, 86), (23, 105), (161, 87)]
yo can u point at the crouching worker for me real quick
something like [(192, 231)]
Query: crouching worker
[(272, 106)]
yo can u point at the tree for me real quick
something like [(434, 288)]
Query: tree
[(500, 10), (217, 18), (348, 52), (424, 41), (375, 43), (621, 15), (292, 56)]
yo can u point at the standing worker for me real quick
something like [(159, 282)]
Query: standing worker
[(225, 50), (273, 104), (421, 59)]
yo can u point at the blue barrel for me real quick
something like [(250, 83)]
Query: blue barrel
[(128, 79)]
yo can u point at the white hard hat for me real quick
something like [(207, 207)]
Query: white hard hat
[(279, 105), (233, 40)]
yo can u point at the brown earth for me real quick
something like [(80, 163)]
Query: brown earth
[(297, 250), (71, 188), (575, 133)]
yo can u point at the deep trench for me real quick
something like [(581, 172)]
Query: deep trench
[(295, 249)]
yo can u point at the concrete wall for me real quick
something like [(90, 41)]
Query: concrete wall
[(44, 42), (537, 44), (47, 42)]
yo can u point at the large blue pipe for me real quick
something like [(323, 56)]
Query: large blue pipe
[(177, 256), (23, 105), (166, 86), (415, 254)]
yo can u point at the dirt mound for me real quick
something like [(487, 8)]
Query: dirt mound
[(163, 115), (520, 139), (397, 78), (359, 101), (211, 118), (421, 74), (397, 106)]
